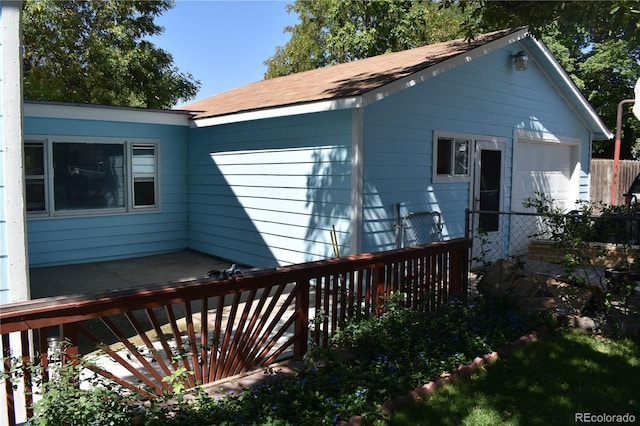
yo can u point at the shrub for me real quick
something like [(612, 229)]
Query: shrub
[(388, 355)]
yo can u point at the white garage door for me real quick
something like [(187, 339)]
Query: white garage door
[(544, 168)]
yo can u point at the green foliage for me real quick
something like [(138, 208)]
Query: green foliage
[(178, 379), (570, 232), (597, 42), (387, 356), (96, 52), (336, 31), (573, 232), (64, 403)]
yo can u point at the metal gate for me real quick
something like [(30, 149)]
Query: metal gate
[(419, 228)]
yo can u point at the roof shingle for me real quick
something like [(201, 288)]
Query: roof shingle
[(334, 82)]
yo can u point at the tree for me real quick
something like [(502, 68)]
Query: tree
[(336, 31), (597, 42), (95, 52), (604, 19)]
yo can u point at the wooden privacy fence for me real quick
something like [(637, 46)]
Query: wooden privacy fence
[(217, 329), (602, 178)]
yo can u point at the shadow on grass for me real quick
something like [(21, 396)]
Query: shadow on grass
[(545, 383)]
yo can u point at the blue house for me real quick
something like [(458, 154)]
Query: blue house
[(263, 173)]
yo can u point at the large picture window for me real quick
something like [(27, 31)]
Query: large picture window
[(75, 177)]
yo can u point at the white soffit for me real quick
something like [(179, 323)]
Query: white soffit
[(105, 113)]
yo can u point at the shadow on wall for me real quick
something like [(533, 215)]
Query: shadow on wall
[(219, 223), (328, 202)]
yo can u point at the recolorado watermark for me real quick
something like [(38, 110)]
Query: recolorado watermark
[(604, 418)]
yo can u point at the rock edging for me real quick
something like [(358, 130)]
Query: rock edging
[(464, 371)]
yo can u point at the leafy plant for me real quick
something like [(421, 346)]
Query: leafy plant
[(177, 379), (575, 231), (571, 232), (64, 402), (372, 359)]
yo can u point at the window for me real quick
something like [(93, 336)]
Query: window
[(34, 169), (71, 176), (88, 176), (451, 159), (144, 175)]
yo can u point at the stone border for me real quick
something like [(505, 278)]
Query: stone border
[(464, 371)]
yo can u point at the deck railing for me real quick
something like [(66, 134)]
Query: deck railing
[(215, 328)]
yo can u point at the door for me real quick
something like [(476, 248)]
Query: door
[(488, 194), (547, 168)]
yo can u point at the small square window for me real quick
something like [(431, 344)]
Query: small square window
[(452, 157)]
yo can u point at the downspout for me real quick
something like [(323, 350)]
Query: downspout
[(616, 151)]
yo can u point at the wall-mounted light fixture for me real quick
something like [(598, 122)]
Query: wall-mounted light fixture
[(520, 61)]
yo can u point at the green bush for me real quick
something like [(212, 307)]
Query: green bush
[(387, 355)]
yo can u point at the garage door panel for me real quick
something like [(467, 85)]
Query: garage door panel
[(541, 167)]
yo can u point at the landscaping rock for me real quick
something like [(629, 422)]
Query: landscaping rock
[(533, 292)]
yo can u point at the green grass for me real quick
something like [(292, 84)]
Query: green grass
[(544, 383)]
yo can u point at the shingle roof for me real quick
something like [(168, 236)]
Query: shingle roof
[(334, 82)]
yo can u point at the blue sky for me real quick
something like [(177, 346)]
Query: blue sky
[(224, 43)]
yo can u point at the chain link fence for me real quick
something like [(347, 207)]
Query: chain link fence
[(538, 243)]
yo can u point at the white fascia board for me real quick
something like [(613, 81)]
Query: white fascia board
[(105, 113), (283, 111), (593, 119), (369, 97)]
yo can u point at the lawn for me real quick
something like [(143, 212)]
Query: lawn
[(549, 382)]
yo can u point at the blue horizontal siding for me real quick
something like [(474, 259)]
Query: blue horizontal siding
[(98, 237), (267, 192), (481, 98)]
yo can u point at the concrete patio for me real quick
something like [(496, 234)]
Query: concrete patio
[(125, 273)]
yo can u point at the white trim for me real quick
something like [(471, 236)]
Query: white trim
[(13, 164), (575, 92), (127, 144), (368, 97), (546, 137), (280, 111), (473, 138), (450, 178), (105, 113), (441, 67), (357, 178)]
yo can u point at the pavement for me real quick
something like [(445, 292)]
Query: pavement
[(118, 274), (237, 384)]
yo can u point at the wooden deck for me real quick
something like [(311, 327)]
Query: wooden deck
[(219, 328)]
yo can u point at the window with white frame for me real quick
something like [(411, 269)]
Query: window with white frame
[(82, 176), (451, 158)]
